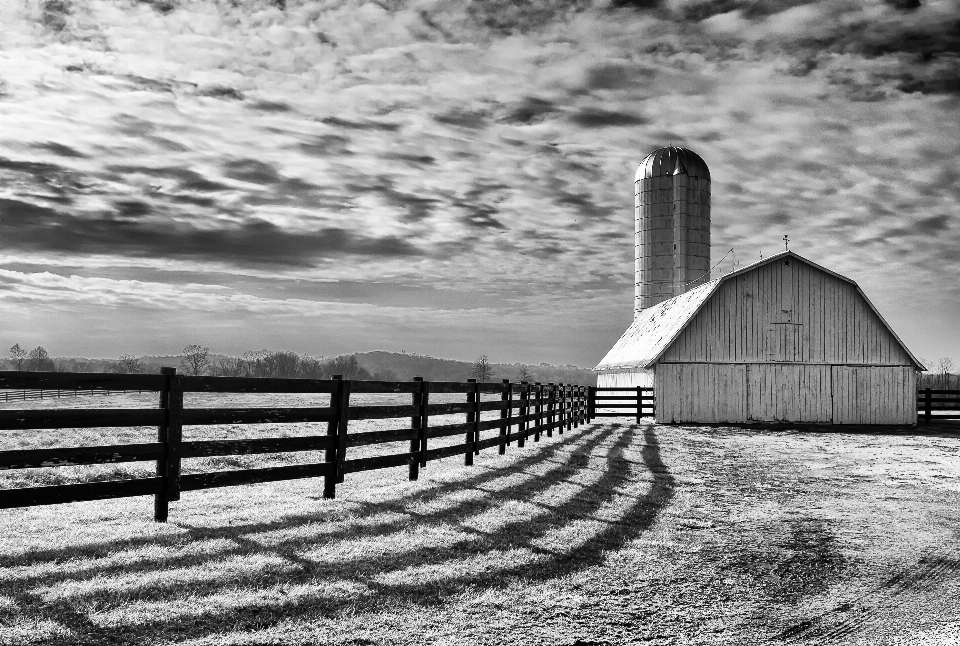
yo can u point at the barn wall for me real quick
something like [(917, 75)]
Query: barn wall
[(874, 395), (787, 313), (789, 393), (700, 392), (764, 392), (625, 379)]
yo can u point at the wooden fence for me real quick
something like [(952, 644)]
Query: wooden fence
[(37, 393), (534, 409), (930, 402), (641, 403)]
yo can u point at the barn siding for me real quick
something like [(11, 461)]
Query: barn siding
[(764, 392), (700, 392), (788, 393), (787, 313), (874, 395)]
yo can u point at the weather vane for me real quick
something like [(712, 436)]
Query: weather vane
[(786, 243)]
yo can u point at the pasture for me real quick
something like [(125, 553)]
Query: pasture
[(614, 533)]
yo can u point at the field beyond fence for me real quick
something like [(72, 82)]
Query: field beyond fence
[(508, 412)]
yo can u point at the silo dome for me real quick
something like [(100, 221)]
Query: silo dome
[(672, 189), (672, 160)]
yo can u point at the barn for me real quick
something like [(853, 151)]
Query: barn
[(783, 339)]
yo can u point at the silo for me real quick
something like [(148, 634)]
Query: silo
[(672, 190)]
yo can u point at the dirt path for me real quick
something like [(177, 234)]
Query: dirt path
[(614, 534)]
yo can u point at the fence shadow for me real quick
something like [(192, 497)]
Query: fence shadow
[(594, 493)]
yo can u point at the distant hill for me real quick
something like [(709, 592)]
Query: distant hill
[(388, 366), (402, 367)]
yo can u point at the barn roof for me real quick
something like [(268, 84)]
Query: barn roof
[(657, 327), (654, 329)]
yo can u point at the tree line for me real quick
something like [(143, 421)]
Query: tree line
[(197, 359)]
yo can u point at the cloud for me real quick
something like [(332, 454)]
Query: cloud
[(463, 118), (60, 149), (270, 106), (29, 227), (251, 170), (367, 124), (602, 118), (530, 110)]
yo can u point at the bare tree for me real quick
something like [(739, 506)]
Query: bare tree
[(128, 364), (19, 355), (482, 370), (195, 359), (944, 366), (39, 359), (524, 374), (256, 364), (229, 367), (349, 367)]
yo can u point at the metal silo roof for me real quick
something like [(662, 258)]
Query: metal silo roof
[(672, 160)]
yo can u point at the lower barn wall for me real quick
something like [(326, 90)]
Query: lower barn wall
[(864, 395), (813, 393), (700, 392)]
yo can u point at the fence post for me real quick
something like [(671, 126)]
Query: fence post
[(333, 456), (505, 414), (564, 407), (170, 433), (160, 506), (524, 406), (583, 404), (471, 438), (557, 421), (559, 407), (553, 412), (415, 426), (579, 419), (342, 422), (476, 420), (639, 403), (424, 422), (538, 409), (926, 407), (591, 403), (572, 407)]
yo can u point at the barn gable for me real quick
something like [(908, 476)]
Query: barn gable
[(787, 309), (781, 309)]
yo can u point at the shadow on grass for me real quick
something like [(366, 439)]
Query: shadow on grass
[(498, 526)]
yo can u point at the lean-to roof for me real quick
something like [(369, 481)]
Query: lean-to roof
[(654, 329), (657, 327)]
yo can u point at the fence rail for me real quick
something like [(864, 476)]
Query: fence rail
[(641, 402), (525, 410), (930, 401), (45, 393)]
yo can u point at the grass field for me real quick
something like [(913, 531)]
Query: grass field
[(613, 534)]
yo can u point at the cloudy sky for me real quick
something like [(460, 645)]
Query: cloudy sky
[(454, 178)]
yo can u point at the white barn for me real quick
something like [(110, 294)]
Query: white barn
[(783, 339)]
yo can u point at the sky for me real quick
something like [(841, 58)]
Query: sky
[(455, 178)]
